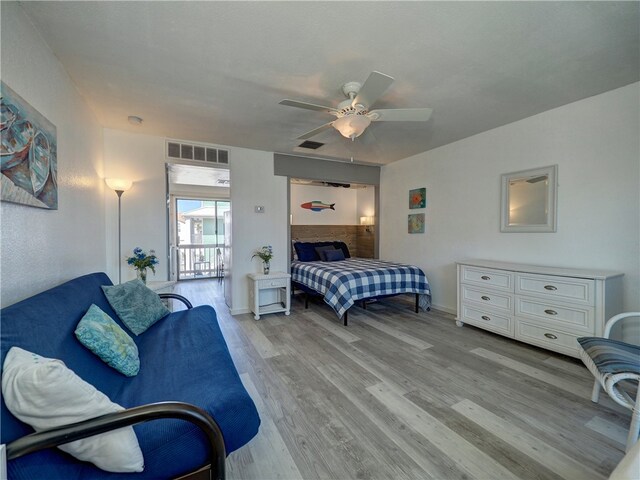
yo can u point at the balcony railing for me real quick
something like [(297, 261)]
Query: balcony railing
[(200, 261)]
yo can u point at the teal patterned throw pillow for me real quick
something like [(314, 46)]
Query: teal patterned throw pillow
[(99, 333), (138, 306)]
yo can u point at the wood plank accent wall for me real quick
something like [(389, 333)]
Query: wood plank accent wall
[(365, 241), (359, 241)]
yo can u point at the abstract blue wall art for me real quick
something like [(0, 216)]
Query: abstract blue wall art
[(28, 153)]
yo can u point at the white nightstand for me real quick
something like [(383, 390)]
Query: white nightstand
[(269, 293)]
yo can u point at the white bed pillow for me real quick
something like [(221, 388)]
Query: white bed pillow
[(44, 393)]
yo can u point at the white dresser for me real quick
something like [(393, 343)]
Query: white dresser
[(546, 306)]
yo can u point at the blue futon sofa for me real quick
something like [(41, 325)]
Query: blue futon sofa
[(183, 358)]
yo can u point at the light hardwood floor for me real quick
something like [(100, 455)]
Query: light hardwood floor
[(400, 395)]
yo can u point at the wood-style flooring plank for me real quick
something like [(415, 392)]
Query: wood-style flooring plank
[(569, 365), (360, 433), (258, 339), (471, 460), (414, 445), (369, 402), (332, 327), (570, 386), (393, 332), (373, 366), (269, 455), (524, 441), (609, 429), (519, 464)]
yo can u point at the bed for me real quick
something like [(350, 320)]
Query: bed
[(347, 280)]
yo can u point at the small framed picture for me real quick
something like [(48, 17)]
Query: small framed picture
[(416, 223), (418, 198)]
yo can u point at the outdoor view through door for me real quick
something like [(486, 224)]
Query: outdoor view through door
[(200, 242)]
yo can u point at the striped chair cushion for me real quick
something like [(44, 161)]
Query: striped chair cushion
[(612, 356)]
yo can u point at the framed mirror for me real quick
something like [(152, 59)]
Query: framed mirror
[(529, 200)]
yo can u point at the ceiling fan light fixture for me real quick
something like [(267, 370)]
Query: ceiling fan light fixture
[(352, 126)]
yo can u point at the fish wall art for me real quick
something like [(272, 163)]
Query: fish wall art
[(318, 206), (28, 153)]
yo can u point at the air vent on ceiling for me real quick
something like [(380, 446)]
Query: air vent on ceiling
[(311, 144), (200, 153)]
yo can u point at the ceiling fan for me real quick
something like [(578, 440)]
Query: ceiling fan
[(354, 114)]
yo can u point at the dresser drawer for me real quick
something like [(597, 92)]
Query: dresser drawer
[(487, 319), (573, 317), (502, 301), (276, 282), (547, 338), (575, 290), (487, 277)]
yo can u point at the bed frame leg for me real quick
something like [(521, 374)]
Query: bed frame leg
[(417, 302), (364, 304), (306, 300), (344, 318)]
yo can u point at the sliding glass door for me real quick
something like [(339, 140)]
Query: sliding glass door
[(200, 238)]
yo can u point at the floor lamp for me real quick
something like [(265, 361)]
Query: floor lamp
[(119, 186)]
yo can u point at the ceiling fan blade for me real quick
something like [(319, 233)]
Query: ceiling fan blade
[(316, 131), (308, 106), (372, 90), (401, 115)]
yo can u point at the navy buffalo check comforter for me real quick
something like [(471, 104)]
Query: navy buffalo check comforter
[(345, 281)]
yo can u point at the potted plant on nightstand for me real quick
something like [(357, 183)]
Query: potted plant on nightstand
[(265, 254)]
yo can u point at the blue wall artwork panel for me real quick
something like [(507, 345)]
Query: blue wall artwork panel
[(28, 153)]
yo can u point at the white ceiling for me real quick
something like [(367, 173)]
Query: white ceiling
[(215, 71)]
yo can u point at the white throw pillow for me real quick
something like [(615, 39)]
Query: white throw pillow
[(44, 393)]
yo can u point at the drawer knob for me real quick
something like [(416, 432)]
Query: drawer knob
[(550, 312), (550, 287), (485, 298), (551, 336), (484, 317), (485, 277)]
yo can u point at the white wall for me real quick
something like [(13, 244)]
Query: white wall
[(594, 142), (43, 248), (253, 183), (345, 200), (366, 202), (141, 158)]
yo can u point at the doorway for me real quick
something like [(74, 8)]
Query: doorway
[(200, 239), (198, 196)]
